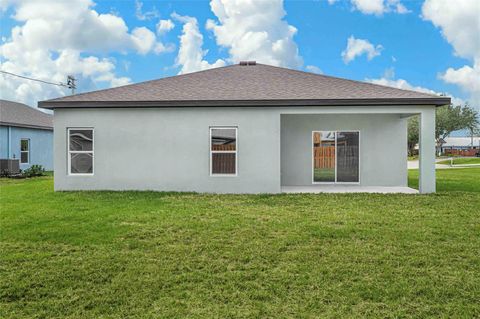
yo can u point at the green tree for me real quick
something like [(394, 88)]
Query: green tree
[(413, 134), (473, 120), (449, 118)]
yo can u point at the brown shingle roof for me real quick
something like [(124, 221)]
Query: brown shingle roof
[(247, 85), (18, 114)]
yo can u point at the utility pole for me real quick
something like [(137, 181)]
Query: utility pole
[(71, 83)]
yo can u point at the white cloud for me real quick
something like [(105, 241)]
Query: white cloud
[(404, 85), (59, 25), (143, 39), (190, 54), (147, 15), (51, 41), (358, 47), (459, 22), (400, 8), (163, 26), (389, 73), (89, 70), (369, 6), (314, 69), (467, 77), (161, 48), (377, 7), (255, 30)]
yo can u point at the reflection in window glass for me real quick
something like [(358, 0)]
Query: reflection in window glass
[(80, 151), (81, 140), (224, 139), (223, 151), (24, 145), (324, 156), (223, 163), (81, 163), (347, 156), (24, 151)]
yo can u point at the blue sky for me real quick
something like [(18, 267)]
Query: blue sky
[(407, 44)]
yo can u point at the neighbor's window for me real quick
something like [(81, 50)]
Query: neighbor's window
[(24, 151), (80, 151), (223, 151)]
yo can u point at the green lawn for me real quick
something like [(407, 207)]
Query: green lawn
[(171, 255), (324, 174), (462, 160), (452, 180)]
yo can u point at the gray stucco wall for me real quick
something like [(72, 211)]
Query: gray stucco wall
[(168, 149), (383, 146)]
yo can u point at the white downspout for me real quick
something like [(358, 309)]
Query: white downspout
[(9, 142)]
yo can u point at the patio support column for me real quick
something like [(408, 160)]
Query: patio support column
[(427, 151)]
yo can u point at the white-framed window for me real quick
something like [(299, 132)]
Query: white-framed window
[(223, 151), (80, 151), (24, 151)]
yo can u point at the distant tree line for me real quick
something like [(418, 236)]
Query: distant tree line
[(449, 118)]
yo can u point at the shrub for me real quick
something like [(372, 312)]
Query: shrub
[(34, 170)]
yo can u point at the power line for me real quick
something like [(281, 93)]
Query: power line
[(32, 79)]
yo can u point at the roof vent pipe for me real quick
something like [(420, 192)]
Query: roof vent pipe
[(248, 62)]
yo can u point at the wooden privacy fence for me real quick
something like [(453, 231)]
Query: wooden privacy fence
[(324, 157), (223, 147), (223, 163), (461, 152)]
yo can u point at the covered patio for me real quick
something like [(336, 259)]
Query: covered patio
[(354, 149)]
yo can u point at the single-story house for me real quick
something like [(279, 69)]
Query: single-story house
[(244, 128), (452, 143), (26, 134)]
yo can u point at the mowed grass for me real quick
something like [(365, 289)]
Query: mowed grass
[(324, 174), (452, 180), (171, 255), (461, 161)]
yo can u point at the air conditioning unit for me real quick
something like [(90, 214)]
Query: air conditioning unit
[(10, 166)]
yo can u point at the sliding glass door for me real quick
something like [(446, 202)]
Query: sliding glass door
[(336, 156), (324, 156)]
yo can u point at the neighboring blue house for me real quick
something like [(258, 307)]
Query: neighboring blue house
[(26, 134)]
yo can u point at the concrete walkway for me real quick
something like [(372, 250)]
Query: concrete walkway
[(414, 164), (347, 189)]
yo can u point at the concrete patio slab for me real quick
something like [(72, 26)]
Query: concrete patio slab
[(347, 189)]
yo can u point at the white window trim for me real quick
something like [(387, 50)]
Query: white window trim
[(359, 157), (69, 152), (225, 152), (27, 151)]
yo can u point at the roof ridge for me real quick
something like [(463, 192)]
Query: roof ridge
[(349, 80)]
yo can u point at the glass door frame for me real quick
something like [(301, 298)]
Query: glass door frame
[(313, 158)]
